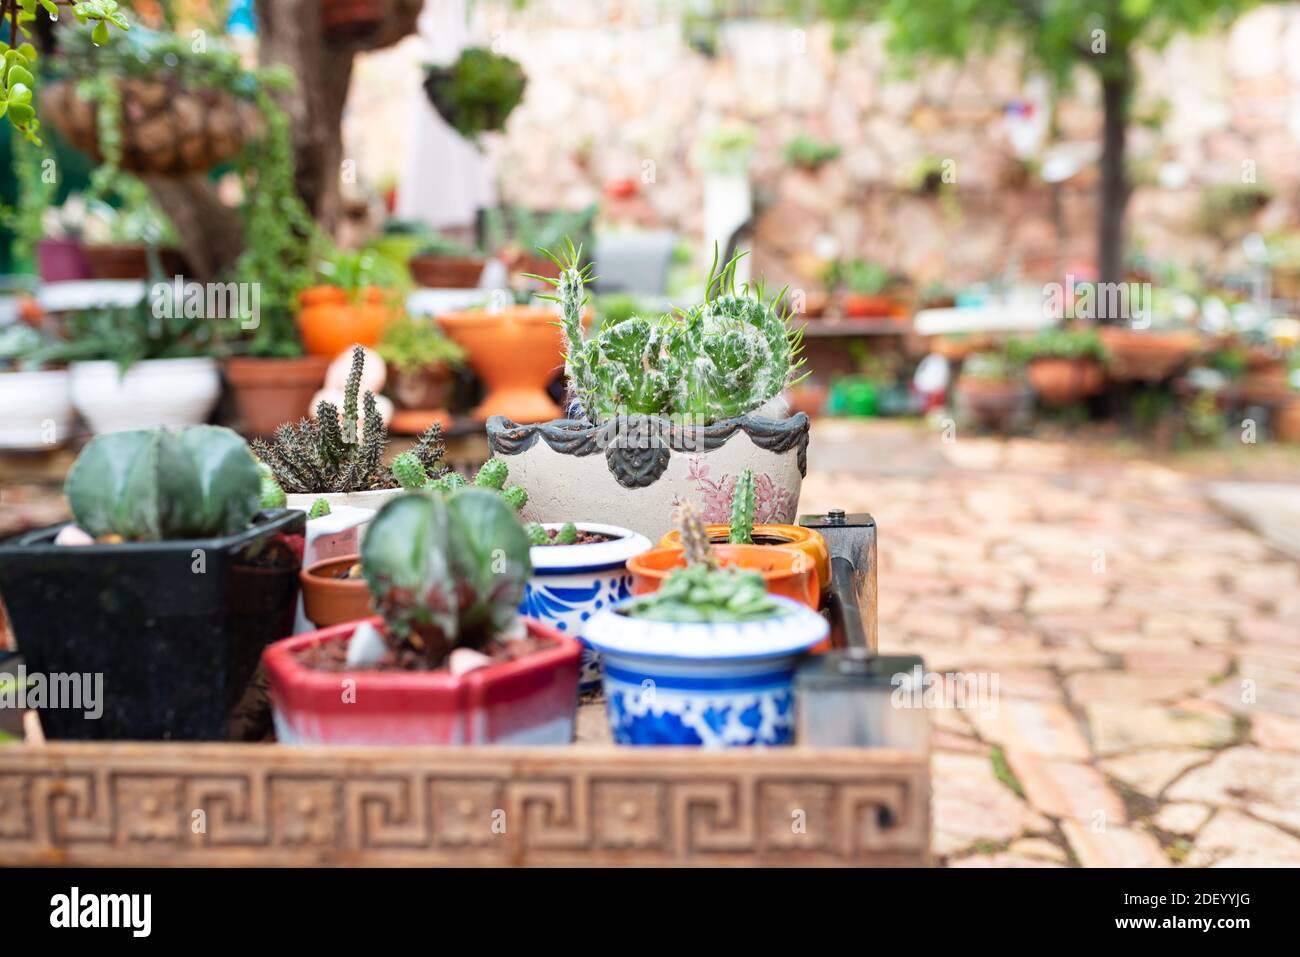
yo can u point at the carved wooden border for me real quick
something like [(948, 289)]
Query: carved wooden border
[(229, 804)]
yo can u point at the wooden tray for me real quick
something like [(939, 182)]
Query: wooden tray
[(591, 804)]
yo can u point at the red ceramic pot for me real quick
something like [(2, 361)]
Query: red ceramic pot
[(529, 701)]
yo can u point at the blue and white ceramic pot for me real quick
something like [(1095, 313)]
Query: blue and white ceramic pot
[(570, 583), (712, 685)]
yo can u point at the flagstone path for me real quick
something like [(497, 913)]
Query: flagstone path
[(1146, 649)]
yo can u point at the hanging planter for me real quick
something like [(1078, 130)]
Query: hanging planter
[(1149, 355), (478, 92)]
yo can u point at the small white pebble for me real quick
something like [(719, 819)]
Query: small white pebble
[(73, 535), (464, 660)]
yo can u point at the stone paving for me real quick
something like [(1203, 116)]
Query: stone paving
[(1146, 649)]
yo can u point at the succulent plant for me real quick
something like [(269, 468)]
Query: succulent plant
[(446, 573), (319, 508), (492, 474), (567, 535), (515, 497), (327, 455), (724, 357), (162, 485), (698, 593), (537, 535), (743, 501), (272, 495), (409, 471)]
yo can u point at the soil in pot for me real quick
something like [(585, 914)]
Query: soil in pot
[(270, 392), (333, 655), (584, 538)]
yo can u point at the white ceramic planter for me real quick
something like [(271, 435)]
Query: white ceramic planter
[(570, 583), (712, 685), (371, 500), (170, 392), (635, 471), (35, 409)]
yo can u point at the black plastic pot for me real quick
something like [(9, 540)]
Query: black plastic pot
[(175, 628)]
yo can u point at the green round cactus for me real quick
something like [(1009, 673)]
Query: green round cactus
[(162, 485), (567, 535), (319, 508), (515, 497), (409, 471), (492, 475), (537, 535)]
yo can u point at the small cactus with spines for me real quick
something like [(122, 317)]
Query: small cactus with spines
[(515, 497), (492, 474), (319, 508), (567, 535), (537, 535), (409, 472), (695, 537), (743, 502), (272, 495)]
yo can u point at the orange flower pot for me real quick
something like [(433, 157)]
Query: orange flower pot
[(330, 323), (330, 600), (1062, 381), (806, 540), (515, 353), (786, 571)]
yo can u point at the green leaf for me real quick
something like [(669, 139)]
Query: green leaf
[(99, 36)]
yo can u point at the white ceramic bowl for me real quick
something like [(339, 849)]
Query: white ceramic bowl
[(152, 393)]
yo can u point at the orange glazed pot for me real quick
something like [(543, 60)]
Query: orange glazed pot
[(515, 353), (785, 571), (328, 599), (806, 540), (330, 323)]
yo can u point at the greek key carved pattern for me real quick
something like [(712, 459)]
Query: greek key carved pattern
[(267, 804)]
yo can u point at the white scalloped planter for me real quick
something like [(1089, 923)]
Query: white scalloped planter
[(37, 409), (712, 685), (373, 499), (154, 392), (635, 473), (570, 583)]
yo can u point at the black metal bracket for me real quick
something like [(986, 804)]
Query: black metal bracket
[(851, 541)]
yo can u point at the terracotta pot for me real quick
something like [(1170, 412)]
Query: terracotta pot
[(446, 272), (957, 348), (528, 701), (786, 571), (423, 388), (806, 540), (633, 471), (515, 352), (329, 600), (1061, 381), (330, 323), (270, 392), (1286, 422), (131, 261), (1148, 356), (857, 305), (1286, 283), (997, 405)]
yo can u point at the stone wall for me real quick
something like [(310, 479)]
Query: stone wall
[(622, 95)]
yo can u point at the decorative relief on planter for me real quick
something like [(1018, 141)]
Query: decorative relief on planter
[(113, 804), (638, 447)]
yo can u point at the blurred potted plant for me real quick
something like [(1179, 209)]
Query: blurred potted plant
[(420, 361), (139, 367), (1064, 366), (478, 92), (864, 289), (707, 660), (443, 263), (518, 235), (36, 396), (449, 661), (989, 392), (168, 584), (357, 299), (117, 239), (809, 153)]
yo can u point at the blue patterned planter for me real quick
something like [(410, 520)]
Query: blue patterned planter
[(570, 583), (706, 685)]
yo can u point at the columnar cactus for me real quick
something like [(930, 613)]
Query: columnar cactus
[(722, 358), (743, 501)]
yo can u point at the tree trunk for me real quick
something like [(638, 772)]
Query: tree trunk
[(291, 32), (1113, 185)]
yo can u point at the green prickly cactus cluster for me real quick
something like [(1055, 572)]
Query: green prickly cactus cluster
[(446, 572), (272, 495), (411, 475), (319, 508), (160, 485), (538, 535), (722, 358), (743, 502), (409, 471)]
